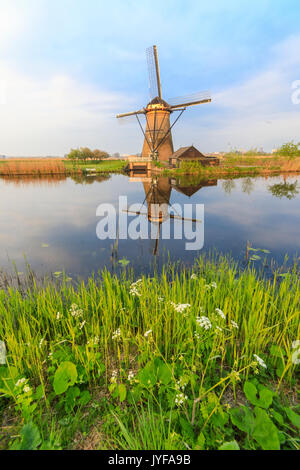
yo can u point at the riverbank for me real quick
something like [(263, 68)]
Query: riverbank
[(240, 166), (55, 167), (195, 359), (229, 167)]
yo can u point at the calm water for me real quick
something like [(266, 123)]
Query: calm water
[(52, 222)]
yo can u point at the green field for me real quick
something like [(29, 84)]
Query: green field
[(105, 166), (200, 359)]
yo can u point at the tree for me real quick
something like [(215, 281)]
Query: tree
[(86, 153), (75, 154), (100, 154)]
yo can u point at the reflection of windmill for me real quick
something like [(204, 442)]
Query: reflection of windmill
[(158, 193), (158, 143)]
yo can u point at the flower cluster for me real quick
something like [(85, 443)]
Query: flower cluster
[(134, 288), (213, 285), (75, 311), (204, 322), (180, 399), (94, 341), (180, 308), (194, 277), (114, 377), (22, 385), (221, 314), (260, 361), (131, 376), (117, 335), (234, 325)]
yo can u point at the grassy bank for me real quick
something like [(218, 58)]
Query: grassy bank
[(201, 359), (55, 167), (232, 166), (105, 166)]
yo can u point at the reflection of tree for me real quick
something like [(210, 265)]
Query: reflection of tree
[(228, 186), (81, 179), (247, 185), (281, 190)]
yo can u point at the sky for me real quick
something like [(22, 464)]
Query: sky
[(67, 67)]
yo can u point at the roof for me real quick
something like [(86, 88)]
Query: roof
[(158, 100), (180, 152)]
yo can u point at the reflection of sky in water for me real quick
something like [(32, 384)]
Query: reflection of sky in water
[(63, 216)]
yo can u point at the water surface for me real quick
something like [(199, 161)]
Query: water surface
[(52, 222)]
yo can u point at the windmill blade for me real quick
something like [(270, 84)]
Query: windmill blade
[(154, 73), (190, 100), (133, 113), (177, 217)]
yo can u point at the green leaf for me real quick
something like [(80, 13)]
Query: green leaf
[(65, 377), (122, 392), (148, 375), (265, 431), (85, 398), (243, 419), (265, 395), (164, 373), (31, 437), (232, 445), (293, 417), (200, 443)]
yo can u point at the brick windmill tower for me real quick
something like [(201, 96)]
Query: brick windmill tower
[(158, 142)]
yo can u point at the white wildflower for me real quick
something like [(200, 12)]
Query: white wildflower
[(218, 329), (213, 285), (194, 277), (181, 384), (221, 314), (204, 322), (41, 343), (131, 376), (117, 335), (260, 361), (234, 324), (296, 344), (94, 341), (58, 316), (161, 299), (180, 308), (75, 311), (148, 333), (20, 382), (82, 325), (196, 335), (26, 389), (180, 399), (114, 377)]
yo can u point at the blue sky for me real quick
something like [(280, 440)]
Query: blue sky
[(67, 67)]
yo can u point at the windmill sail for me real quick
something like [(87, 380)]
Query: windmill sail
[(190, 100), (154, 73)]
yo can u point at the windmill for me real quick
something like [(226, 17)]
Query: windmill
[(158, 142)]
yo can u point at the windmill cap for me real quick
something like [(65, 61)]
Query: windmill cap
[(160, 101)]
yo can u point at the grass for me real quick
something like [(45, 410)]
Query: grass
[(236, 165), (152, 364), (104, 166)]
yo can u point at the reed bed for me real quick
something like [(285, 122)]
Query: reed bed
[(181, 340), (34, 167)]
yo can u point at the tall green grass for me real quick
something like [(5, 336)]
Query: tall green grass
[(37, 322)]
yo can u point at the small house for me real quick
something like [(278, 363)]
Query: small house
[(191, 154)]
